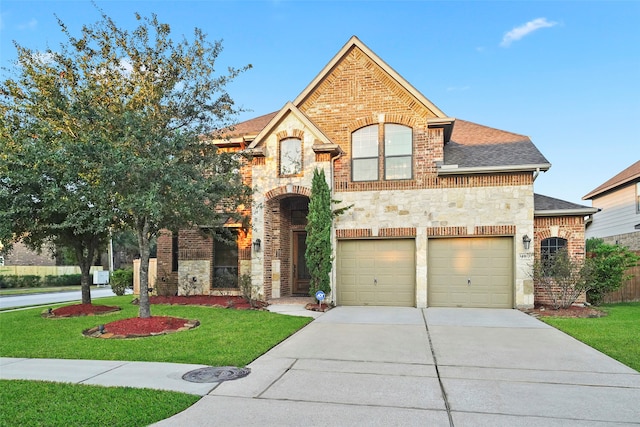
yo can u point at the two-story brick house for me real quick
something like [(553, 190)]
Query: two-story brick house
[(444, 212)]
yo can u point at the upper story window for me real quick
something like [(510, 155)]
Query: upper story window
[(398, 150), (290, 156), (364, 154), (397, 153)]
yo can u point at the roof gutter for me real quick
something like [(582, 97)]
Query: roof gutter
[(566, 212), (455, 170)]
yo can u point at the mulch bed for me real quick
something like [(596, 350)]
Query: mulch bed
[(77, 310), (237, 302), (136, 327), (573, 311), (317, 307)]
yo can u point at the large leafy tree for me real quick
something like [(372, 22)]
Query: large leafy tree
[(126, 111)]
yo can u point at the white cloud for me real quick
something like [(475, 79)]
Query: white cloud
[(31, 25), (519, 32)]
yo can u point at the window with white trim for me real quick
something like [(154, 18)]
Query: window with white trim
[(290, 156), (638, 197)]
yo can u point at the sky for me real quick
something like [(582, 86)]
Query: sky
[(564, 73)]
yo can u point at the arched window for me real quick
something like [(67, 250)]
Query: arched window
[(290, 156), (548, 249), (364, 154)]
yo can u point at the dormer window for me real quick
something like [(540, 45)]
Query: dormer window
[(290, 156)]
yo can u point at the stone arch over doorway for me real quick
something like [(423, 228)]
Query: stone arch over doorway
[(284, 241)]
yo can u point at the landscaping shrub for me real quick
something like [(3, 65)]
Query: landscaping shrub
[(64, 280), (121, 280), (608, 264), (27, 281)]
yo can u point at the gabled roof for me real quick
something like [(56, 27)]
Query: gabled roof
[(288, 108), (355, 42), (550, 206), (628, 175), (476, 148)]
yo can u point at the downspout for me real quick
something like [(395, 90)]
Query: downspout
[(536, 173), (333, 229)]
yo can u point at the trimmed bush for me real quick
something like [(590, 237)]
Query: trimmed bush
[(121, 280), (64, 280), (27, 281)]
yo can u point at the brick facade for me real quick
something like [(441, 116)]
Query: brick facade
[(355, 91), (570, 228)]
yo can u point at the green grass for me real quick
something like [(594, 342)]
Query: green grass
[(38, 403), (225, 337), (617, 335)]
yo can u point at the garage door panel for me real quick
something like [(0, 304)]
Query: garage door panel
[(486, 261), (376, 272)]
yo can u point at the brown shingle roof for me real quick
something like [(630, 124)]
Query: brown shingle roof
[(469, 133), (629, 174), (251, 127)]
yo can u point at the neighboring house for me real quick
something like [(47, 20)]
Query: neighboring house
[(618, 221), (444, 211), (23, 256)]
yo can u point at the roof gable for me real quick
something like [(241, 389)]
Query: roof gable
[(276, 118), (355, 43), (628, 175)]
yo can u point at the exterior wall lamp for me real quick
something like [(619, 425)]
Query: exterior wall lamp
[(256, 245), (526, 241)]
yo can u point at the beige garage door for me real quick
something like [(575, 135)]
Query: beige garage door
[(470, 272), (376, 272)]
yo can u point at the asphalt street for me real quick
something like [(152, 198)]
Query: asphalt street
[(49, 298)]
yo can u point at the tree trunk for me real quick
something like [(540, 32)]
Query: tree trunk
[(85, 258), (143, 244)]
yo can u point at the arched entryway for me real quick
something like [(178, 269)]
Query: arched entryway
[(286, 272)]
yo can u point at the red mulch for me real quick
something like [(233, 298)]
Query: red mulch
[(81, 310), (573, 311), (237, 302), (136, 327), (150, 325)]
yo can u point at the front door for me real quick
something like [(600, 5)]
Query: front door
[(300, 271)]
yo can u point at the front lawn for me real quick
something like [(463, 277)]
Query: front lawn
[(39, 403), (617, 335), (225, 337)]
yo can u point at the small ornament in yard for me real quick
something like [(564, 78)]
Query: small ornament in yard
[(320, 297)]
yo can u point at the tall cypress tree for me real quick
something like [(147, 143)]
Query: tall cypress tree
[(318, 253)]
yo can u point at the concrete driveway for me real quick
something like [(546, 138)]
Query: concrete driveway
[(380, 366)]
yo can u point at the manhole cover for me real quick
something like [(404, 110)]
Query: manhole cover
[(214, 375)]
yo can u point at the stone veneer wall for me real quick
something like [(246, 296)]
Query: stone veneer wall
[(432, 213)]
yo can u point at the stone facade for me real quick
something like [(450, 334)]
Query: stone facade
[(628, 240)]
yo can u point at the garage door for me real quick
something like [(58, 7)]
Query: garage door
[(376, 272), (470, 272)]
